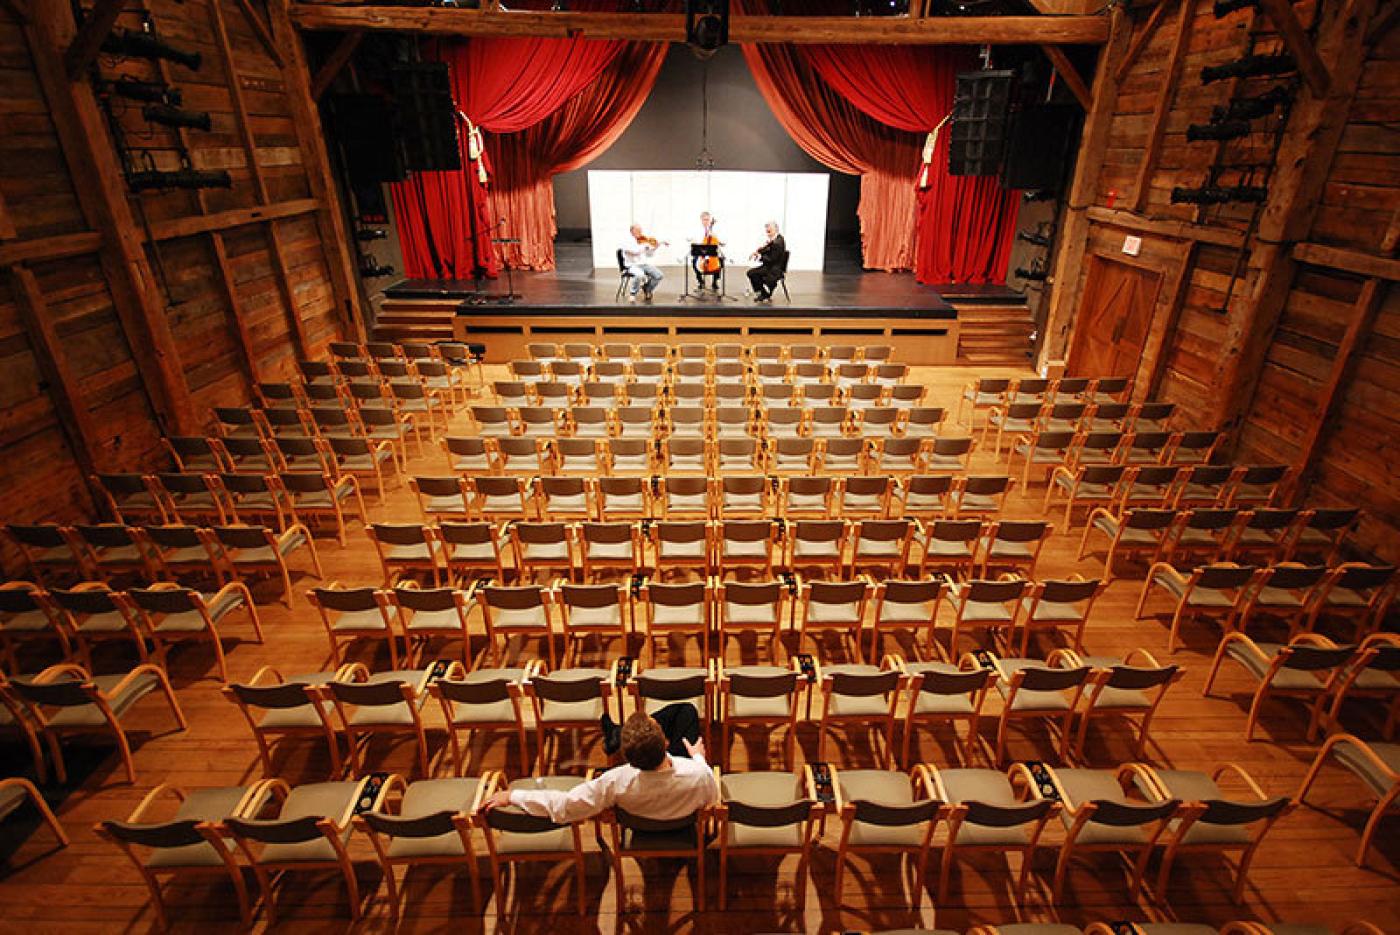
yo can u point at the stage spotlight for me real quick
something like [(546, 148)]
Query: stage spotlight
[(150, 91), (706, 24), (1226, 7), (175, 117), (134, 44), (371, 269), (154, 179), (1252, 108), (1229, 130), (371, 233), (1041, 194), (1218, 195), (1034, 237), (1251, 66), (1032, 275)]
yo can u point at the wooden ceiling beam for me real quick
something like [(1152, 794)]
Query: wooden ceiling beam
[(1069, 74), (1351, 261), (1064, 7), (96, 27), (170, 228), (341, 54), (57, 247), (1161, 109), (1296, 39), (670, 27)]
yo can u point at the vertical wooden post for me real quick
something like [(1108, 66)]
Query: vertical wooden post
[(247, 356), (330, 220), (1304, 157), (98, 182), (1074, 228)]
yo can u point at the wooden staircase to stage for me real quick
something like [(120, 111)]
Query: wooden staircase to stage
[(415, 320), (994, 325)]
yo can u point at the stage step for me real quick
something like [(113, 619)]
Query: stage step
[(993, 332), (414, 320)]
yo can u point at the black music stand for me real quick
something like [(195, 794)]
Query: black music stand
[(699, 251), (496, 298)]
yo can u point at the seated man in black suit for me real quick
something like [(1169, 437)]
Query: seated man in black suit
[(770, 263)]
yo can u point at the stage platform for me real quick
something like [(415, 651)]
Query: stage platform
[(843, 304)]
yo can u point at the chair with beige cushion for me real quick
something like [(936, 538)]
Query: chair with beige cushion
[(525, 611), (428, 614), (309, 832), (765, 696), (1047, 691), (833, 606), (860, 695), (908, 605), (252, 550), (514, 837), (887, 812), (275, 707), (382, 704), (350, 614), (188, 844), (1133, 686), (1309, 668), (1213, 591), (571, 700), (939, 693), (406, 547), (758, 607), (64, 700), (1375, 764), (990, 812), (170, 613), (483, 701), (769, 815), (426, 823)]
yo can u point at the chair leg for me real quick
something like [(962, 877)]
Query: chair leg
[(1373, 823)]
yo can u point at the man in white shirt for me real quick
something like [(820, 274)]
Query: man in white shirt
[(653, 783), (637, 251)]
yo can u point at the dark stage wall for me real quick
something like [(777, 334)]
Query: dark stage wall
[(744, 135)]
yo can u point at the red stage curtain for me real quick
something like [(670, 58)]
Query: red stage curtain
[(965, 224), (571, 137), (503, 86), (840, 137)]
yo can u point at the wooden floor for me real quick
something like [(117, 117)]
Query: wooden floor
[(1303, 873)]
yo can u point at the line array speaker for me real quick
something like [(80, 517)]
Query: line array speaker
[(427, 116), (977, 145), (1040, 146)]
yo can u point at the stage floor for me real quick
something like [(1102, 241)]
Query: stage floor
[(842, 285)]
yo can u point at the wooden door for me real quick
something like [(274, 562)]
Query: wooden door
[(1114, 318)]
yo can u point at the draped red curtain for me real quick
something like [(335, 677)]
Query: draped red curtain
[(571, 137), (966, 224), (833, 132), (501, 85)]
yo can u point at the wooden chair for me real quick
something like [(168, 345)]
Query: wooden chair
[(757, 607), (819, 543), (925, 496), (170, 613), (678, 609), (832, 605), (307, 834), (382, 703), (427, 614), (887, 812), (406, 547), (27, 617), (47, 551), (1358, 593), (1058, 605), (769, 815), (542, 547), (484, 701), (64, 699), (350, 614), (1217, 591), (638, 838), (573, 699), (1047, 691), (808, 497), (470, 550), (860, 694), (312, 495), (1133, 531), (1097, 815), (1308, 668), (250, 550), (951, 546), (907, 605), (190, 844), (993, 606), (92, 613), (1133, 686), (276, 707), (940, 693), (514, 837), (522, 610), (1209, 820), (599, 610), (681, 544), (763, 696), (1375, 764), (990, 812), (743, 544), (1015, 545)]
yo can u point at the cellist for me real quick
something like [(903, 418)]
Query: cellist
[(709, 265)]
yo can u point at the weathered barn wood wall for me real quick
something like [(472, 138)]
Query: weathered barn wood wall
[(121, 315), (1299, 364)]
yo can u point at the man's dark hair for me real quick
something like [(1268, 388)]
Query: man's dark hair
[(643, 743)]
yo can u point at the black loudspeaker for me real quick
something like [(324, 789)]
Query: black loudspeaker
[(427, 116), (1040, 146), (706, 24), (978, 142), (364, 126)]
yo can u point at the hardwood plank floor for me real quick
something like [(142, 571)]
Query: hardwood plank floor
[(1304, 872)]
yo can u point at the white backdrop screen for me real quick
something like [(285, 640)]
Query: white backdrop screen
[(668, 204)]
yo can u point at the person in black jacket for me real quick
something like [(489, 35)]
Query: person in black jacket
[(770, 263)]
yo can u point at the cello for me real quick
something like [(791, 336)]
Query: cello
[(711, 265)]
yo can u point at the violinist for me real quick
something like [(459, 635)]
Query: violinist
[(770, 258), (708, 265), (637, 250)]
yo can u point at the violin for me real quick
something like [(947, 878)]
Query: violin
[(650, 241)]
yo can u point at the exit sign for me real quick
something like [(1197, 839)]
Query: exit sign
[(1132, 246)]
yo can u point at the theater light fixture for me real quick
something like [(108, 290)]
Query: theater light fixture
[(706, 25), (1034, 237), (1218, 195), (1251, 66), (370, 268), (150, 91), (1252, 108), (169, 116), (154, 179), (371, 233), (134, 44), (1228, 130)]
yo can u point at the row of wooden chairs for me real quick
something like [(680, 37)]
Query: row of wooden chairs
[(838, 546), (1054, 451), (757, 353), (811, 375), (642, 422), (1206, 534), (1142, 420), (722, 392), (987, 393), (412, 403), (77, 619), (1318, 672)]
